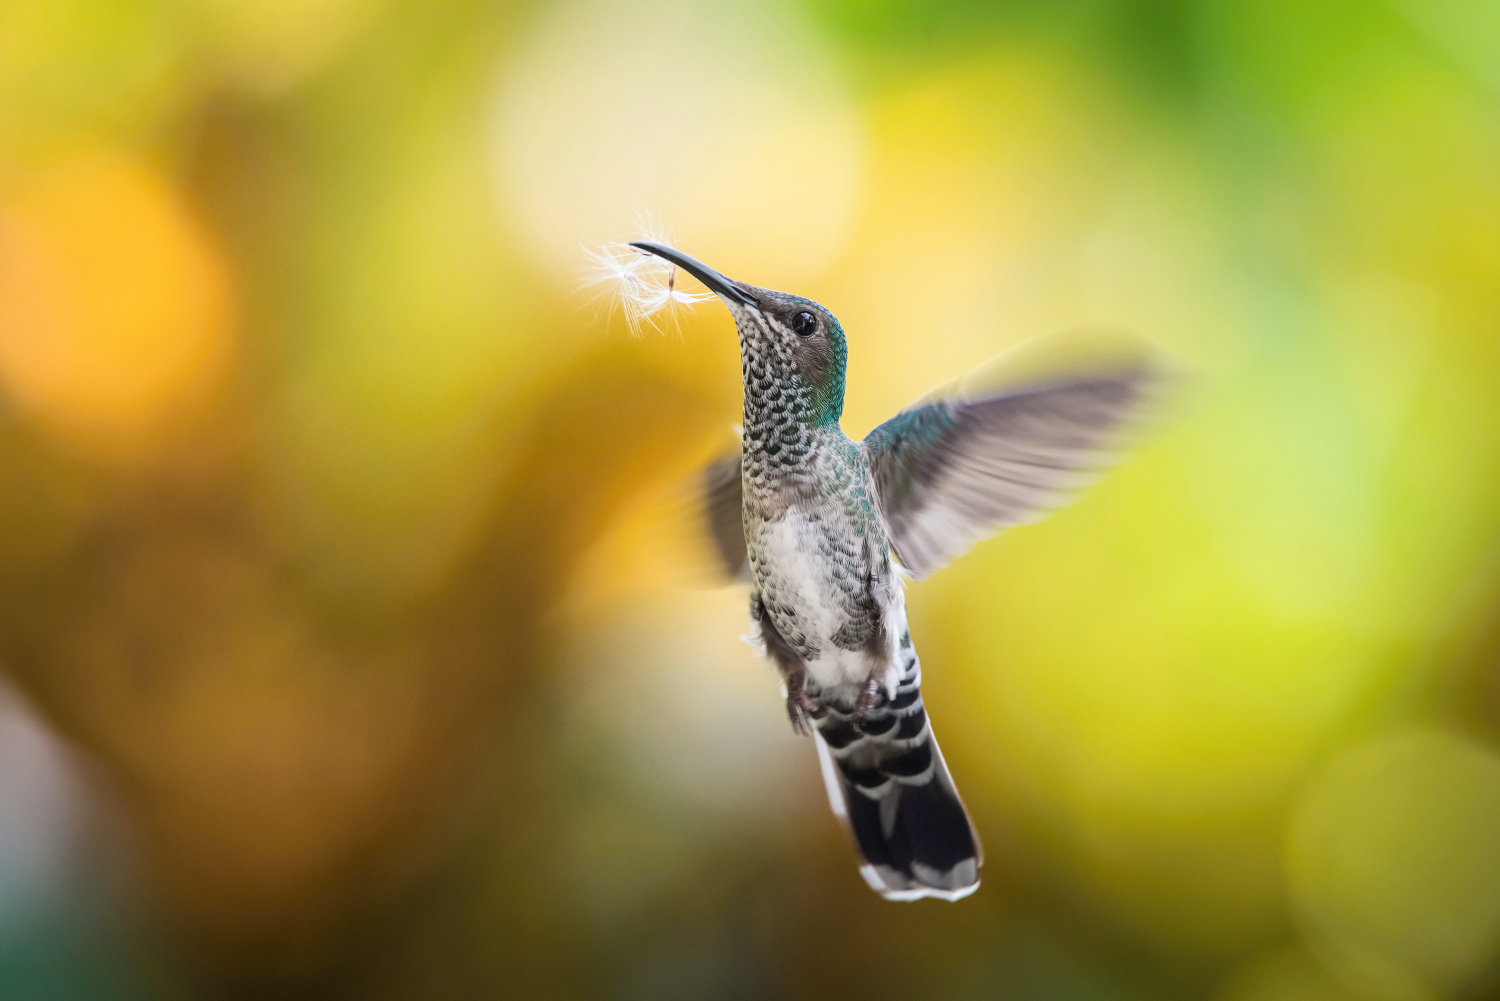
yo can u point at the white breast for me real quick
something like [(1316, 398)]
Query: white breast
[(792, 573)]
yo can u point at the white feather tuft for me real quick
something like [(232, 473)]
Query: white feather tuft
[(755, 640)]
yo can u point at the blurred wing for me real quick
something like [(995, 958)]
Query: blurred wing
[(722, 510), (952, 471)]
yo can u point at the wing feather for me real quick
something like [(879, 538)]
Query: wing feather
[(723, 503), (954, 469)]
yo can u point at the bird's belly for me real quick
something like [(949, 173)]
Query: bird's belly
[(837, 671), (807, 584)]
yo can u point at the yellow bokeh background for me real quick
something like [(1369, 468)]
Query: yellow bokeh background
[(360, 635)]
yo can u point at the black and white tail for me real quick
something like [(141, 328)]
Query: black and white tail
[(887, 780)]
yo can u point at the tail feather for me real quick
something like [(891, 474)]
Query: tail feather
[(887, 780)]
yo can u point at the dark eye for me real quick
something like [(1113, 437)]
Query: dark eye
[(804, 323)]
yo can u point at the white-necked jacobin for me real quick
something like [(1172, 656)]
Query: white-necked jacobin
[(819, 523)]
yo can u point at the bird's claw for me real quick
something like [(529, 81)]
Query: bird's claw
[(869, 696), (801, 708)]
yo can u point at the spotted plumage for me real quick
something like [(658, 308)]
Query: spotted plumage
[(825, 529)]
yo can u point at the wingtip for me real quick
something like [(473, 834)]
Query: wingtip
[(1066, 356)]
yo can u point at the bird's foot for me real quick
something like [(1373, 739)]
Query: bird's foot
[(801, 708), (868, 697)]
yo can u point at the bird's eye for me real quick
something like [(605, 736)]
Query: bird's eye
[(804, 323)]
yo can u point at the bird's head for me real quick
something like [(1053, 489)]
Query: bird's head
[(790, 347)]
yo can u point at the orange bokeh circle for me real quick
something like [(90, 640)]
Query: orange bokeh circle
[(115, 305)]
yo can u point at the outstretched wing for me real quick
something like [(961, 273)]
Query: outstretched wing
[(954, 470), (722, 511)]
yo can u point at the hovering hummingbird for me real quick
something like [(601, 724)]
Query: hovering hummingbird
[(820, 522)]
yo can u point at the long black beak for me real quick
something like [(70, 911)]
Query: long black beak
[(716, 282)]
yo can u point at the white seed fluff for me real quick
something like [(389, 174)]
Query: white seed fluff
[(644, 283)]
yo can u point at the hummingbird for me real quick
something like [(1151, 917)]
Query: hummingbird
[(827, 528)]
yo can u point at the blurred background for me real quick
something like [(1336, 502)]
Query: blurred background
[(353, 624)]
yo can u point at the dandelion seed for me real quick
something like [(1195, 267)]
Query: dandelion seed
[(646, 284)]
